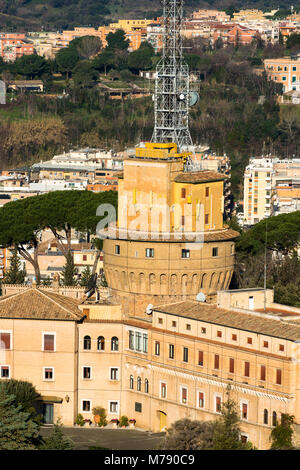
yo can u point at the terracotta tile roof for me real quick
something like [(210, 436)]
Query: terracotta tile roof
[(242, 321), (40, 305), (43, 247), (199, 177)]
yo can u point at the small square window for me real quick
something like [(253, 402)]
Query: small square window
[(185, 254), (188, 326), (266, 344), (249, 340), (86, 372), (138, 407), (160, 320), (149, 252), (114, 373), (86, 405), (234, 337), (174, 324), (219, 334), (113, 407), (281, 347), (48, 373), (4, 372), (203, 330), (215, 251)]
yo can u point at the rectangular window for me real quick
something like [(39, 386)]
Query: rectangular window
[(185, 354), (4, 372), (48, 373), (174, 324), (49, 342), (160, 320), (200, 358), (138, 407), (86, 373), (247, 369), (266, 344), (114, 373), (149, 252), (117, 249), (217, 361), (218, 405), (201, 399), (157, 348), (244, 411), (249, 340), (145, 342), (183, 193), (278, 376), (5, 342), (231, 365), (86, 405), (113, 407), (183, 395), (171, 351), (185, 254), (188, 326), (206, 219), (219, 334), (206, 192), (84, 257), (281, 347), (262, 372), (215, 251), (138, 341), (131, 340), (163, 390), (182, 220), (234, 337), (203, 330)]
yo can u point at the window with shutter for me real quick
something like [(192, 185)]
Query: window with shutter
[(231, 365), (217, 361), (200, 358), (247, 369), (48, 342), (4, 340), (278, 376)]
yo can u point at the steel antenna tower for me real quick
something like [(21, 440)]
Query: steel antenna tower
[(172, 93)]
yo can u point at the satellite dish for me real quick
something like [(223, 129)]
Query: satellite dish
[(200, 297), (149, 309), (194, 98)]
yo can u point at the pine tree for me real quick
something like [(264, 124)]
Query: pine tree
[(17, 430), (85, 277), (227, 429), (15, 274), (68, 273), (57, 440), (282, 434)]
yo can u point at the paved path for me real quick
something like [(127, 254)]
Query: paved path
[(112, 439)]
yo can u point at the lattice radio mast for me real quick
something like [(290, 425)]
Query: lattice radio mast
[(172, 93)]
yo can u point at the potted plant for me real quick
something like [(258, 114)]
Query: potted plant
[(114, 422), (99, 416), (132, 423), (79, 420), (87, 423), (123, 422)]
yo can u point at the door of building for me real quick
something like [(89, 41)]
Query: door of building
[(162, 421), (48, 413)]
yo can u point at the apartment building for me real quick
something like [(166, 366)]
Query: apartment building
[(176, 363), (215, 15), (271, 187), (258, 190), (14, 45), (235, 34), (286, 71)]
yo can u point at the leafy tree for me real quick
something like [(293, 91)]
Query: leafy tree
[(18, 431), (117, 40), (227, 428), (105, 61), (189, 435), (85, 277), (68, 273), (84, 74), (23, 392), (142, 58), (282, 433), (31, 66), (66, 60), (15, 274), (57, 440), (89, 46)]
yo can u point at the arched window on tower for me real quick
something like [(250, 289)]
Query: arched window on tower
[(146, 386), (101, 343), (274, 418), (131, 383), (139, 384), (87, 342), (114, 344)]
